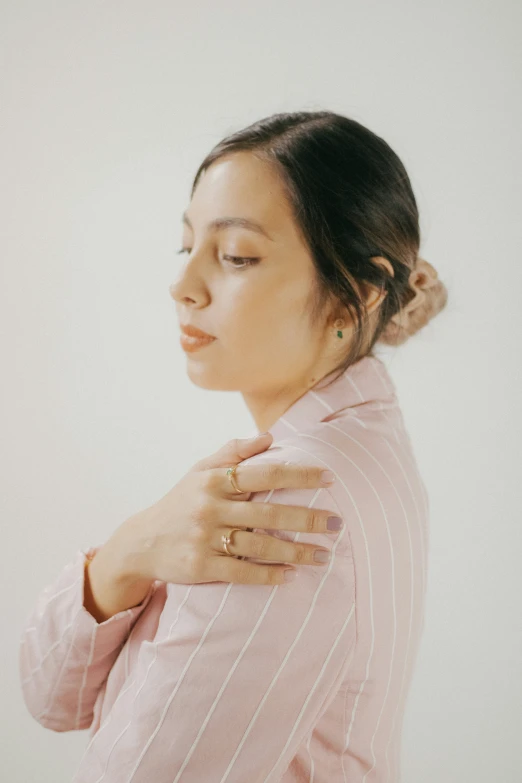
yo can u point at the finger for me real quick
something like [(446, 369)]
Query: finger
[(262, 546), (272, 475), (280, 516), (224, 568), (235, 451)]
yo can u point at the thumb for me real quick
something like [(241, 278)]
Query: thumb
[(235, 451)]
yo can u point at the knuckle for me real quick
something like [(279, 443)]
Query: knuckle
[(271, 516), (300, 553), (201, 511), (313, 522), (260, 545), (318, 476), (304, 474), (195, 562), (211, 480), (199, 533), (272, 472)]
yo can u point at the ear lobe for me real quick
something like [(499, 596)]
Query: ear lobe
[(371, 295)]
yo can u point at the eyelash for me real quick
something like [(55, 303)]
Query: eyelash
[(247, 261)]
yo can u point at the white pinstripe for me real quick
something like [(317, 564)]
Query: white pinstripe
[(235, 665), (47, 654), (283, 663), (369, 570), (185, 599), (367, 552), (403, 460), (338, 478), (296, 724), (329, 424), (312, 764), (389, 388), (47, 710), (89, 661), (56, 644)]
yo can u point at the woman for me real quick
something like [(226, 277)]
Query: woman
[(302, 241)]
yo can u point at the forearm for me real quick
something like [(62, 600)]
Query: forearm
[(66, 653), (109, 586)]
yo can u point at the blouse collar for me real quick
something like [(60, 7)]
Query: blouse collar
[(365, 381)]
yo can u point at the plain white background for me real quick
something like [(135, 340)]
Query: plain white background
[(107, 110)]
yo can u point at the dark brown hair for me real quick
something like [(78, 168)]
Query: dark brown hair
[(351, 199)]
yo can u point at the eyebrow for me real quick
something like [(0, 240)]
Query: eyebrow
[(225, 222)]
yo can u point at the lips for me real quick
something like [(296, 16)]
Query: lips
[(191, 344), (193, 331)]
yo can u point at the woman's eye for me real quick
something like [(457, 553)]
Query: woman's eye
[(237, 261), (244, 261)]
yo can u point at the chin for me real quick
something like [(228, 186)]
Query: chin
[(207, 378)]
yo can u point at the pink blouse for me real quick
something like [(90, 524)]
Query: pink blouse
[(221, 682)]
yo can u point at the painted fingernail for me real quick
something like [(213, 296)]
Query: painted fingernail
[(334, 523), (290, 575), (327, 477), (320, 556)]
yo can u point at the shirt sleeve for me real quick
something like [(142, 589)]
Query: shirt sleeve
[(237, 675), (65, 655)]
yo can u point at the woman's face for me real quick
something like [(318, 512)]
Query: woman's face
[(257, 311)]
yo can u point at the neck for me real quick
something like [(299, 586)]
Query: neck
[(267, 408)]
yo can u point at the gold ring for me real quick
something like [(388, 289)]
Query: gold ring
[(231, 473), (225, 538)]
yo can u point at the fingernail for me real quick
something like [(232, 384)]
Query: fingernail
[(290, 574), (327, 477), (320, 556), (334, 523), (262, 435)]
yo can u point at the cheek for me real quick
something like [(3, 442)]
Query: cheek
[(265, 315), (238, 304), (244, 305)]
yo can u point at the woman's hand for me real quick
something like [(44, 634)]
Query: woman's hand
[(178, 539)]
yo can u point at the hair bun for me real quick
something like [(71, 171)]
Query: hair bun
[(429, 297)]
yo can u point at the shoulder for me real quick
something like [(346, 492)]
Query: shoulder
[(338, 443), (369, 452), (294, 451)]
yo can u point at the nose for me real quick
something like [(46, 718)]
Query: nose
[(179, 294), (189, 288), (185, 285)]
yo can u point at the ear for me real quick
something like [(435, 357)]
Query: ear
[(372, 294), (383, 262)]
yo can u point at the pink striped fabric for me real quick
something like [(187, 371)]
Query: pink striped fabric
[(219, 682)]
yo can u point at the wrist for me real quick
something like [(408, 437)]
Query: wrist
[(111, 583), (126, 551)]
